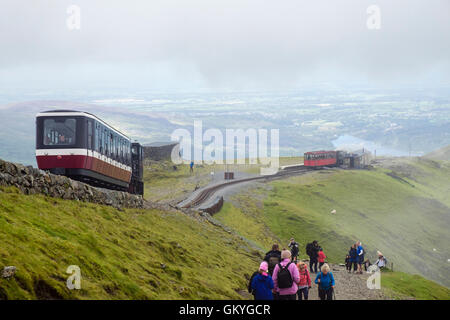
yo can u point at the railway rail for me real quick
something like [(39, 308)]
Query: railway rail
[(206, 193)]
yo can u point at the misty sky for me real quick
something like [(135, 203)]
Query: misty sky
[(237, 44)]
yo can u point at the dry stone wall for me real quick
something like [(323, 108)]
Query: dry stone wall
[(34, 181)]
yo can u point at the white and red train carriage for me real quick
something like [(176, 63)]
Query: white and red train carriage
[(82, 146)]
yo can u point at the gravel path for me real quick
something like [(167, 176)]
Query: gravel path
[(349, 286)]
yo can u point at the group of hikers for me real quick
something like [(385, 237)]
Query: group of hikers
[(282, 277), (355, 259)]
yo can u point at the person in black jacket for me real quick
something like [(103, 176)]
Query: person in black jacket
[(312, 250), (353, 253), (273, 257)]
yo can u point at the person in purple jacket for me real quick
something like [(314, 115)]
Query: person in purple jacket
[(285, 277)]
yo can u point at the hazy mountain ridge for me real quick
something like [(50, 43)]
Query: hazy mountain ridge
[(441, 154)]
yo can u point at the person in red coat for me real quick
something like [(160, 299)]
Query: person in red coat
[(321, 257), (305, 281)]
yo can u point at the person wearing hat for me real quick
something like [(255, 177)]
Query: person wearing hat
[(286, 277), (381, 261), (262, 283)]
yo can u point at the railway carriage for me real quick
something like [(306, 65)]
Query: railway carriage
[(83, 147), (320, 159)]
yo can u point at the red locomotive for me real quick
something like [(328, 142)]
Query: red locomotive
[(83, 147), (320, 159)]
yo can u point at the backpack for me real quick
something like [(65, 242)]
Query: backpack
[(308, 249), (284, 277), (273, 261)]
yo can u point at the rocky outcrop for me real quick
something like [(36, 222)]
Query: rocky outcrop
[(161, 151), (214, 206), (34, 181), (9, 272)]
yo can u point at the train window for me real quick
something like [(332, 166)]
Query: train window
[(59, 131), (116, 147), (128, 153), (105, 141), (101, 140), (121, 150), (89, 141), (111, 144), (97, 137)]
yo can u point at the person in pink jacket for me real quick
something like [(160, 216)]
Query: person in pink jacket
[(285, 277), (305, 281)]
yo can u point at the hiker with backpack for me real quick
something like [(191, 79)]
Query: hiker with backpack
[(312, 250), (262, 283), (321, 257), (286, 277), (294, 249), (360, 254), (305, 281), (326, 283), (273, 257)]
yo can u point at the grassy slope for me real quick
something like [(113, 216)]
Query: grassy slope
[(400, 285), (387, 213), (120, 253)]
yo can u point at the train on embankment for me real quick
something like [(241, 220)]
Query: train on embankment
[(83, 147), (323, 158)]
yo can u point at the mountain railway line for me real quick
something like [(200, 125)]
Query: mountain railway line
[(206, 193)]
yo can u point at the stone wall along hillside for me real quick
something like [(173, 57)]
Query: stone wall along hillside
[(34, 181)]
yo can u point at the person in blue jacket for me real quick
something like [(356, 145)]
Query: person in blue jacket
[(262, 284), (325, 280)]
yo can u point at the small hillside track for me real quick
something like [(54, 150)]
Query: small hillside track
[(206, 193)]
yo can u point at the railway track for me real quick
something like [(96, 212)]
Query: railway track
[(207, 192)]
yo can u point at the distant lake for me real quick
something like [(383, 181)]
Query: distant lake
[(348, 142)]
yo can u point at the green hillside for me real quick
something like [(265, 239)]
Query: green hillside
[(400, 285), (130, 254), (403, 212)]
